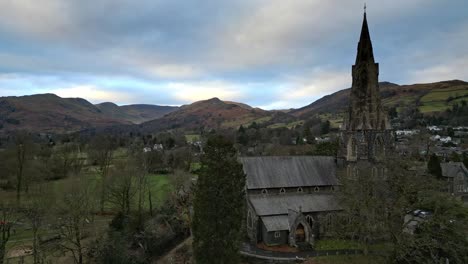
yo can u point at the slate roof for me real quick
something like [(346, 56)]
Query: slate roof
[(289, 171), (276, 222), (450, 169), (278, 204)]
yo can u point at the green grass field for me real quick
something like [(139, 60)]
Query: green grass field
[(192, 137), (436, 100), (336, 120), (287, 125)]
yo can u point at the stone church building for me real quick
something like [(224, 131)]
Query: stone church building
[(291, 199)]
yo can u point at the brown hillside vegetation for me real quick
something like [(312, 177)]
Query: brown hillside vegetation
[(429, 97), (212, 113), (51, 113)]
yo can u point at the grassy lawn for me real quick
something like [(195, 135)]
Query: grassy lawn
[(160, 186), (333, 244), (357, 259)]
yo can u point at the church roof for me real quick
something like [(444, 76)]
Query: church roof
[(451, 169), (364, 52), (289, 171), (279, 204), (275, 222)]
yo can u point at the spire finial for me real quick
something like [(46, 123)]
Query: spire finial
[(365, 8)]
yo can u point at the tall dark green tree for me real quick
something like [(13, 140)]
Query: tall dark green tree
[(219, 204), (433, 166), (242, 137), (325, 127), (465, 159)]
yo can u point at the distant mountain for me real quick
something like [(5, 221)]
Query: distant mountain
[(429, 97), (213, 113), (137, 113), (53, 114)]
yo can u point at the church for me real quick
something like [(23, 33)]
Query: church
[(291, 199)]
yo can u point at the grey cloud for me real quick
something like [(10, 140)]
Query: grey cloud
[(237, 42)]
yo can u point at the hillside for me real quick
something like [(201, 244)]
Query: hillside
[(137, 113), (213, 113), (429, 97), (53, 114)]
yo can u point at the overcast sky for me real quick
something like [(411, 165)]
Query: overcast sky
[(272, 54)]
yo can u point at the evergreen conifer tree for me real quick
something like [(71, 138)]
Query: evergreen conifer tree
[(433, 166), (219, 204), (465, 159)]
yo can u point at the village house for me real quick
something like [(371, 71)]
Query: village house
[(456, 174)]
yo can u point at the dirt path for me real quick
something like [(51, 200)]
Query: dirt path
[(168, 258)]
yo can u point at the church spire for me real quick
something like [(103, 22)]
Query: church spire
[(365, 53), (366, 131)]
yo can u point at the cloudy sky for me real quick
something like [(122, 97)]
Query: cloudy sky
[(267, 53)]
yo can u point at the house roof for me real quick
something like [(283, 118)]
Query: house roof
[(276, 222), (289, 171), (278, 204), (451, 169)]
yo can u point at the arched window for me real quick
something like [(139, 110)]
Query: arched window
[(352, 149), (316, 189), (460, 182), (264, 191), (379, 147), (282, 191), (249, 219), (310, 220), (299, 190), (328, 222), (355, 173)]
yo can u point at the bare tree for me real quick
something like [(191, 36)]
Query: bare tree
[(376, 199), (75, 212), (37, 210), (7, 220), (66, 159), (182, 195), (101, 152), (122, 187), (22, 147)]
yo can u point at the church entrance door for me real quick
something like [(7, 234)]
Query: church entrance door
[(300, 234)]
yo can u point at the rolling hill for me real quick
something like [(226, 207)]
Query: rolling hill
[(214, 113), (53, 114), (429, 97), (136, 113)]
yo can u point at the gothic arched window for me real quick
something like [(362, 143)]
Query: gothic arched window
[(310, 220), (352, 149)]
